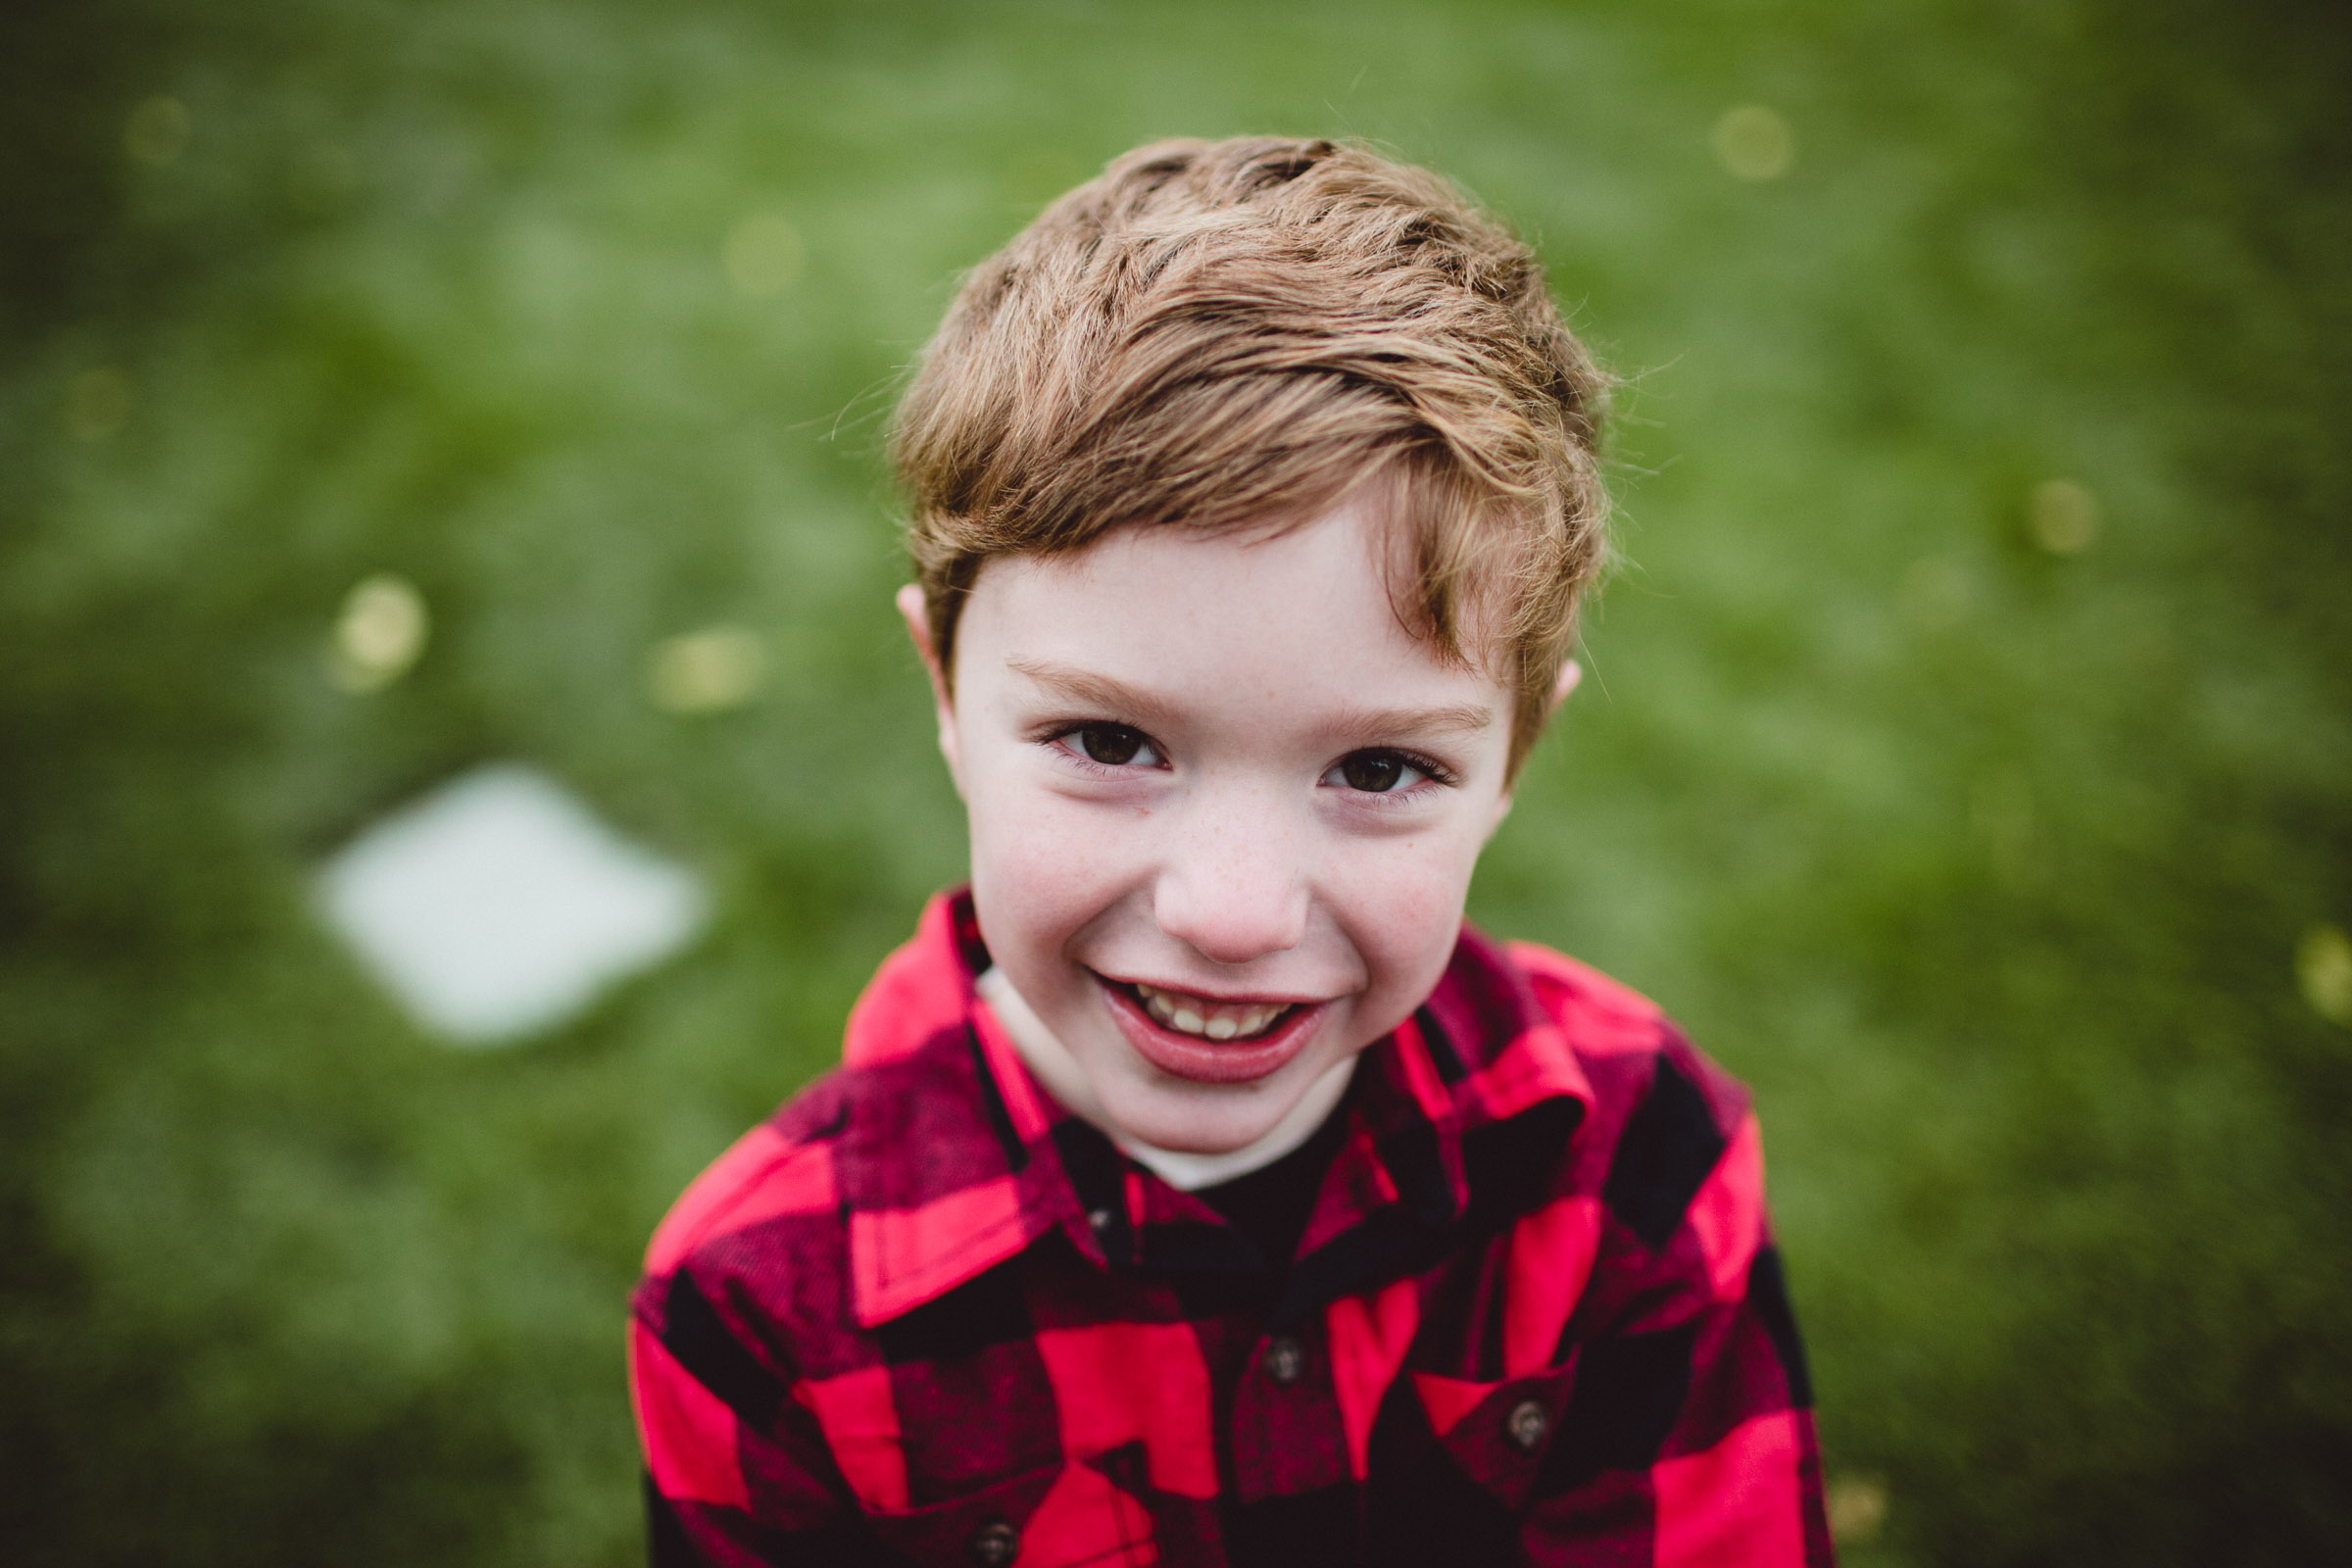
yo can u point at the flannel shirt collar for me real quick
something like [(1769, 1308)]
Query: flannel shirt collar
[(1453, 1118)]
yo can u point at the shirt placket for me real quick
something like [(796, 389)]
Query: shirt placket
[(1285, 1432)]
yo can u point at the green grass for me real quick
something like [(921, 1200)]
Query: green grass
[(1985, 865)]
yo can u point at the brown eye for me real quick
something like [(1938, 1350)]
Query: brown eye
[(1373, 773), (1112, 745)]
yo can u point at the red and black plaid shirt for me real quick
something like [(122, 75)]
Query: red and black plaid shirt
[(926, 1315)]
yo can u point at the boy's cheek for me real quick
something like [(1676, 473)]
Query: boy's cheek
[(1050, 834), (1415, 871), (1054, 870), (1404, 909)]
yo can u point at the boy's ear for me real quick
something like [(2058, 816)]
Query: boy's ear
[(1571, 672), (912, 611)]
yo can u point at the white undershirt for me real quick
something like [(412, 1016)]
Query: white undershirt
[(1058, 1071)]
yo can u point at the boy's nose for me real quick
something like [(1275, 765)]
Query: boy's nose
[(1232, 892)]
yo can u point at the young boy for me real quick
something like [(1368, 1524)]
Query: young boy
[(1197, 1189)]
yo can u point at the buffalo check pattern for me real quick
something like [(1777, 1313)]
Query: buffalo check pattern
[(925, 1315)]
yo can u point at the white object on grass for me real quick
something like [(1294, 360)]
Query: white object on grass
[(498, 906)]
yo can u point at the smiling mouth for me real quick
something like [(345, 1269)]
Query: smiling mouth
[(1207, 1040), (1207, 1017)]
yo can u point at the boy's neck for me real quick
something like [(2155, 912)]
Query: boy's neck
[(1051, 1061)]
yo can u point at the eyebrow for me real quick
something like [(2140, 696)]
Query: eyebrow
[(1089, 690)]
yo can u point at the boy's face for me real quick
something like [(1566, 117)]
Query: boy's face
[(1224, 809)]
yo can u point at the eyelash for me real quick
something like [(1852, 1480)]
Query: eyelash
[(1431, 771), (1059, 734)]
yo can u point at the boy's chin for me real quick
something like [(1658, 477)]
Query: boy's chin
[(1191, 1118), (1181, 1133)]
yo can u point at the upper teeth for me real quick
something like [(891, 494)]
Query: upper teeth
[(1198, 1015)]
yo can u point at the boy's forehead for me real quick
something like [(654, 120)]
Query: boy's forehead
[(1308, 612)]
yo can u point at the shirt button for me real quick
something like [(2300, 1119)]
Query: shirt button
[(1098, 1218), (1527, 1423), (995, 1544), (1284, 1360)]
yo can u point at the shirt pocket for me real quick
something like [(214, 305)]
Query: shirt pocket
[(1058, 1517)]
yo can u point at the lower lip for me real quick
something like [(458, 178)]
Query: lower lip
[(1214, 1062)]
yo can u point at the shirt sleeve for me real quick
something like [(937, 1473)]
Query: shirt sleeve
[(737, 1472), (1688, 1435)]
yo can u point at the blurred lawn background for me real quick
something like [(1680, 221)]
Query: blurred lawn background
[(1965, 759)]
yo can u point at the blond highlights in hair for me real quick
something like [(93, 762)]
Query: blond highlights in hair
[(1238, 334)]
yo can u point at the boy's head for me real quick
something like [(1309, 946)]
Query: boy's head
[(1252, 489)]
